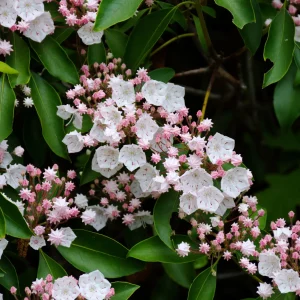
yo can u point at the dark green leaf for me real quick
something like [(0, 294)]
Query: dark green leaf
[(55, 60), (19, 59), (279, 47), (10, 277), (2, 224), (182, 274), (204, 286), (123, 290), (145, 35), (46, 101), (5, 68), (15, 223), (96, 53), (87, 124), (163, 209), (88, 175), (91, 251), (200, 35), (111, 12), (47, 265), (116, 41), (241, 11), (286, 99), (132, 21), (61, 34), (7, 104), (162, 74), (154, 250), (201, 262), (210, 11)]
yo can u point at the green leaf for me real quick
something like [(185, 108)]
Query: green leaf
[(96, 53), (201, 262), (47, 265), (91, 251), (241, 10), (55, 60), (279, 47), (15, 223), (111, 12), (252, 32), (10, 277), (19, 59), (204, 286), (162, 74), (123, 290), (5, 68), (7, 104), (2, 225), (163, 209), (88, 175), (116, 41), (154, 250), (182, 274), (87, 125), (145, 35), (132, 21), (61, 34), (200, 34), (286, 99), (46, 101)]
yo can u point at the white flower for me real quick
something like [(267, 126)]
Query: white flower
[(287, 281), (65, 111), (3, 244), (146, 127), (248, 248), (37, 242), (282, 233), (209, 198), (81, 201), (174, 98), (188, 203), (111, 115), (136, 190), (65, 288), (88, 216), (163, 145), (101, 217), (197, 143), (8, 15), (74, 141), (97, 132), (219, 147), (159, 185), (122, 91), (14, 174), (28, 10), (19, 151), (145, 176), (194, 180), (132, 156), (40, 27), (265, 290), (183, 249), (2, 181), (69, 236), (28, 102), (88, 36), (269, 263), (107, 157), (141, 218), (155, 92), (3, 145), (94, 286), (235, 181), (224, 205), (6, 159)]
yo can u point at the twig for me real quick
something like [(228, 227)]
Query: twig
[(193, 72), (197, 92), (236, 54)]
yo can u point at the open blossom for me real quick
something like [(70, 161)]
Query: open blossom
[(287, 281), (122, 91), (88, 36), (107, 157), (65, 288), (62, 236), (29, 10), (146, 127), (188, 203), (183, 249), (269, 264), (81, 201), (37, 242), (209, 198), (8, 14), (132, 156), (74, 141)]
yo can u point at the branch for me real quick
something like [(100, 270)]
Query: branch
[(193, 72)]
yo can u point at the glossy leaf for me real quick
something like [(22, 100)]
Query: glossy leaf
[(16, 225), (5, 68), (47, 265), (279, 47), (116, 41), (88, 174), (145, 35), (91, 251), (46, 101), (241, 11), (96, 53), (55, 60), (10, 277), (7, 104), (252, 32), (123, 290), (286, 99), (19, 59), (182, 274), (162, 74), (61, 34), (2, 224), (111, 12), (204, 286), (132, 21), (200, 34), (163, 209), (154, 250)]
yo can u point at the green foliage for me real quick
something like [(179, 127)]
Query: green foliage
[(123, 290), (162, 74), (2, 225), (88, 174), (116, 41), (5, 68), (91, 251), (112, 12), (96, 53), (10, 277)]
